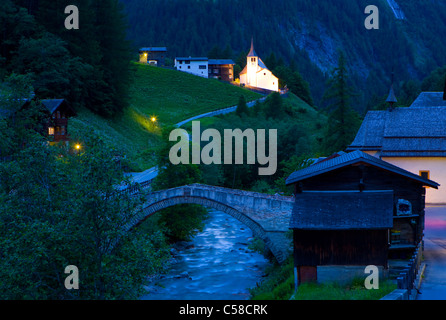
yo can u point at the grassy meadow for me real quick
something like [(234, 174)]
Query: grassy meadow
[(169, 96)]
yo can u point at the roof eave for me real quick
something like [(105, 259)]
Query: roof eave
[(428, 183)]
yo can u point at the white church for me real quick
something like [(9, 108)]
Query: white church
[(256, 74)]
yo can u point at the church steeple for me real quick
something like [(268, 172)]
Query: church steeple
[(252, 52), (391, 99)]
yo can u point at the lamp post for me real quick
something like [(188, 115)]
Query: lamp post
[(78, 148)]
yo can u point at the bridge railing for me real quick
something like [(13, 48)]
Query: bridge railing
[(244, 192), (136, 188)]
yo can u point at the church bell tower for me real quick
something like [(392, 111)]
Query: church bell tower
[(252, 66)]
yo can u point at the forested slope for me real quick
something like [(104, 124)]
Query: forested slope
[(309, 33)]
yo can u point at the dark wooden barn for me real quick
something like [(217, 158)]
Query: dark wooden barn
[(353, 209)]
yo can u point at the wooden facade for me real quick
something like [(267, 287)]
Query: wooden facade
[(348, 223), (59, 111), (153, 55), (222, 69)]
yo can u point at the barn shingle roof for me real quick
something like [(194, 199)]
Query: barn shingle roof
[(346, 210), (352, 158), (220, 61)]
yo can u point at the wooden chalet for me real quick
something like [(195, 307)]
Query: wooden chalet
[(354, 210), (59, 111), (155, 56), (222, 69)]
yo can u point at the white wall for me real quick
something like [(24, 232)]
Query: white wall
[(437, 169), (193, 67), (266, 80)]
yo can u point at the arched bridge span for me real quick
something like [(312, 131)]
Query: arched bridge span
[(267, 216)]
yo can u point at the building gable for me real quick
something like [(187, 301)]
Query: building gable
[(354, 158)]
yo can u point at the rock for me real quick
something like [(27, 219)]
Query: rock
[(183, 245), (183, 275)]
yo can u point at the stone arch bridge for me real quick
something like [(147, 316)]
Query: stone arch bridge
[(267, 216)]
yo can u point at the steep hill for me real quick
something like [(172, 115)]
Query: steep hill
[(168, 95), (307, 32)]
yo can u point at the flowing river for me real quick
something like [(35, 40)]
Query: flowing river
[(215, 265)]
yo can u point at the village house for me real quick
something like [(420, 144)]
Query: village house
[(222, 69), (57, 111), (198, 66), (412, 138), (352, 210), (155, 56), (256, 74)]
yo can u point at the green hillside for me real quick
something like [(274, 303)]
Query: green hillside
[(169, 96)]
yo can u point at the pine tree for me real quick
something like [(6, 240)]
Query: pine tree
[(343, 120), (242, 107)]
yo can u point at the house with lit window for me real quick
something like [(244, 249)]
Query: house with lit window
[(256, 74), (198, 66), (155, 56), (412, 138), (59, 112), (55, 123)]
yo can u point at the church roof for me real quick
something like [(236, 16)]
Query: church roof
[(417, 131), (429, 99), (262, 64), (245, 70)]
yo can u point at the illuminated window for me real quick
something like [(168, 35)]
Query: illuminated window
[(51, 131), (425, 174)]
